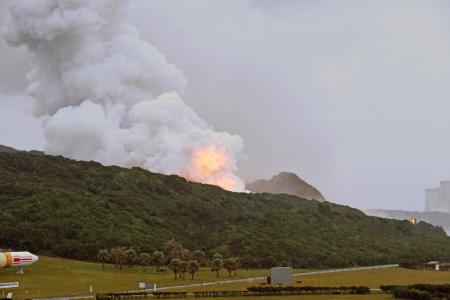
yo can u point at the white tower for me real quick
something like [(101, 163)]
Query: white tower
[(438, 199)]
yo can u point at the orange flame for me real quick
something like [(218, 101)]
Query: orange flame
[(212, 165), (227, 183), (210, 160)]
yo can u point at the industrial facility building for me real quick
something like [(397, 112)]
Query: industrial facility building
[(438, 199)]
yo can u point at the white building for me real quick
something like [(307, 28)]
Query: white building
[(438, 199)]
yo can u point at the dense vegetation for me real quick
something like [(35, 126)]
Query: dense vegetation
[(436, 218), (419, 291), (312, 290), (251, 291), (173, 255), (53, 205)]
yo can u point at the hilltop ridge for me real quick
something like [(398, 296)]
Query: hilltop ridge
[(286, 183), (7, 149)]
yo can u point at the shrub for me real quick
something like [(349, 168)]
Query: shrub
[(357, 290), (387, 288), (404, 292)]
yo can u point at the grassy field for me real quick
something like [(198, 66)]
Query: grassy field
[(56, 277), (370, 278)]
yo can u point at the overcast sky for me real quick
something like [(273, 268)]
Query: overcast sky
[(354, 96)]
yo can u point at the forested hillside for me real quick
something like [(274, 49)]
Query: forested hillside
[(53, 205), (437, 218)]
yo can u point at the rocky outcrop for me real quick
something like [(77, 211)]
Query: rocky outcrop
[(286, 183)]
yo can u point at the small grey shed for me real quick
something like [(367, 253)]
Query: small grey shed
[(281, 275)]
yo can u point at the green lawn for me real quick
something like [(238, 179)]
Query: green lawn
[(370, 278), (375, 278), (56, 277)]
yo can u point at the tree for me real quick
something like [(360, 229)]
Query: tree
[(103, 256), (217, 265), (114, 257), (184, 254), (199, 256), (231, 264), (131, 257), (184, 267), (193, 267), (218, 256), (238, 265), (144, 259), (119, 255), (175, 266), (157, 259), (172, 249)]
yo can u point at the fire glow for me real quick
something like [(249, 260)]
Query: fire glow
[(212, 165)]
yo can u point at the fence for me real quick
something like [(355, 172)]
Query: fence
[(254, 291)]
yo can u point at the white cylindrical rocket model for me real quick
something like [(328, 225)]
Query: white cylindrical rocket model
[(17, 259)]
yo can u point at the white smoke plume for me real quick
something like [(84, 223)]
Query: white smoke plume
[(107, 95)]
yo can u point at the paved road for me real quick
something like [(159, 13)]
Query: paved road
[(347, 270), (237, 280), (264, 277)]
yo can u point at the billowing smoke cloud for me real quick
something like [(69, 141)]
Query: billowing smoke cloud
[(106, 95)]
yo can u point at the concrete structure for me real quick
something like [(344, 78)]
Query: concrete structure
[(281, 275), (438, 199)]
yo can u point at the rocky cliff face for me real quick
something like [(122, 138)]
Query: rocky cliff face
[(286, 183)]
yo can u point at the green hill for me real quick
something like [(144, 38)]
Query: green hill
[(7, 149), (436, 218), (53, 205)]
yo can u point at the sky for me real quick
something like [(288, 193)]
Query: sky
[(353, 96)]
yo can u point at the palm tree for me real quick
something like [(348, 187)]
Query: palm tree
[(172, 249), (144, 259), (184, 267), (238, 265), (131, 257), (217, 265), (114, 256), (103, 256), (175, 265), (193, 267), (199, 256), (157, 259), (184, 254), (217, 255), (231, 264), (119, 255)]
